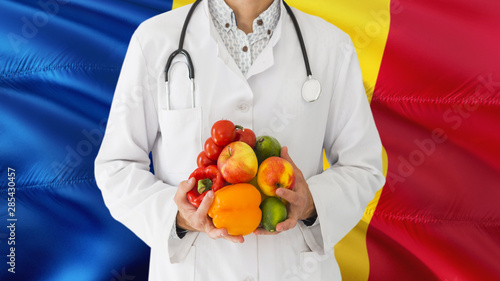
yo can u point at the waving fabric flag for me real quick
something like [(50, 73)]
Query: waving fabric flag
[(59, 64), (436, 102), (437, 106), (431, 70)]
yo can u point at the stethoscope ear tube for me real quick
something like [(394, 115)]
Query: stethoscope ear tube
[(189, 65), (183, 52)]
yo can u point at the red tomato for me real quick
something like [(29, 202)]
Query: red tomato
[(247, 136), (223, 132), (212, 150), (203, 160)]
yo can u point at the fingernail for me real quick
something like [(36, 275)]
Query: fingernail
[(210, 194), (279, 227), (279, 192)]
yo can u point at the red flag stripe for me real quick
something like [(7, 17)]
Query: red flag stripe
[(437, 108)]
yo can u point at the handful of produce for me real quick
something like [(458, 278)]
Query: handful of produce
[(232, 158)]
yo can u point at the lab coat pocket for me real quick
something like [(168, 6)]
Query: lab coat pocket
[(188, 270), (180, 140), (310, 266)]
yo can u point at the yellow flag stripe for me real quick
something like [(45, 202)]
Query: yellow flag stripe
[(367, 22), (179, 3)]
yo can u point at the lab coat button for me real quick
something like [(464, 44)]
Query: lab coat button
[(243, 107)]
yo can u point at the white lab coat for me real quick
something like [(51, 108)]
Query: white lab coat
[(269, 101)]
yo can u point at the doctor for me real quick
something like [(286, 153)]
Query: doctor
[(249, 69)]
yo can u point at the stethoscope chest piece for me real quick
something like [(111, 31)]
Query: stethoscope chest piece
[(311, 89)]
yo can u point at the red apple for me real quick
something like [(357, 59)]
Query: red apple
[(275, 172), (237, 163)]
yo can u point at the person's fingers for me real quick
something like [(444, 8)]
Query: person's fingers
[(205, 204), (234, 239), (189, 184), (284, 154), (298, 173), (262, 231), (183, 189), (286, 225), (291, 196), (214, 232), (180, 197)]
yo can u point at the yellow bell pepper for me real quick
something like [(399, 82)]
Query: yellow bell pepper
[(236, 208)]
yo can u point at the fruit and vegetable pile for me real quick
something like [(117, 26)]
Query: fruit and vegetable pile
[(244, 172)]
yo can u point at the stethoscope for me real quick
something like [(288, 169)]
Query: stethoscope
[(311, 89)]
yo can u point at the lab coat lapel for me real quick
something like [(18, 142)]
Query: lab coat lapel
[(264, 61), (222, 52), (266, 58)]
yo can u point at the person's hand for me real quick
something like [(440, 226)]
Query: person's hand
[(300, 201), (196, 219)]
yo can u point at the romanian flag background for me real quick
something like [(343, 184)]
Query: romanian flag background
[(431, 70)]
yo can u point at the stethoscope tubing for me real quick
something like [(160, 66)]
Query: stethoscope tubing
[(301, 39), (180, 50)]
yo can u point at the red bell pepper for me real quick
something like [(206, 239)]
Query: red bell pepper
[(207, 178)]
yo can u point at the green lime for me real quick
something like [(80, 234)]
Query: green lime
[(273, 212), (265, 147)]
